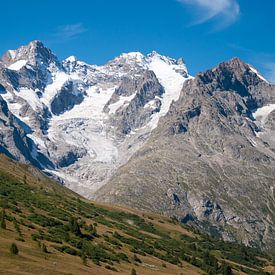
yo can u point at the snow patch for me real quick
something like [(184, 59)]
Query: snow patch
[(151, 104), (92, 105), (71, 58), (52, 89), (170, 80), (262, 113), (137, 56), (123, 100), (38, 141), (31, 97), (12, 53), (17, 65)]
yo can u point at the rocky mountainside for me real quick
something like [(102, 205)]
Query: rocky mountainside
[(211, 160), (79, 122), (140, 131)]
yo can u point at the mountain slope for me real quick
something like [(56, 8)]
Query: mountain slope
[(58, 232), (207, 162)]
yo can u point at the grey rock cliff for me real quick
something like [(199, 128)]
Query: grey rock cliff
[(204, 163)]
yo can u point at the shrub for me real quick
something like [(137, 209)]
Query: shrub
[(44, 248), (20, 239), (123, 257), (3, 222), (43, 220), (111, 268), (226, 270), (74, 227), (136, 259), (14, 249)]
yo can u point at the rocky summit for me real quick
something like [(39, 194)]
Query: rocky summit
[(140, 131)]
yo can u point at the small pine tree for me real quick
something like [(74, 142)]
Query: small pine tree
[(193, 260), (226, 270), (84, 258), (44, 248), (14, 249), (133, 272), (93, 231), (3, 221), (136, 259), (74, 227)]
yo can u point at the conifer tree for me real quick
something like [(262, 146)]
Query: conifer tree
[(3, 221), (44, 248), (14, 249), (74, 227)]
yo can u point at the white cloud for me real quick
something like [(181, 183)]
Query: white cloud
[(225, 11), (69, 32)]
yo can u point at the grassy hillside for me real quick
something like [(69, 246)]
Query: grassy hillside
[(58, 232)]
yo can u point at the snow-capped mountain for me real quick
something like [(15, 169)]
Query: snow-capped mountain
[(83, 121), (140, 131)]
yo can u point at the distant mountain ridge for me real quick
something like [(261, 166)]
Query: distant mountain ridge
[(141, 131)]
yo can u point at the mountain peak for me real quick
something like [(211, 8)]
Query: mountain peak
[(171, 61), (131, 56), (235, 64), (35, 53), (71, 59), (231, 71), (36, 44)]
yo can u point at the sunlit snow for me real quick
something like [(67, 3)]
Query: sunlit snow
[(262, 113), (123, 100), (170, 80), (17, 65)]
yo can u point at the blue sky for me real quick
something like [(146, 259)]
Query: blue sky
[(203, 32)]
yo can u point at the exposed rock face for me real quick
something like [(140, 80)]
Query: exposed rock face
[(31, 66), (142, 98), (68, 96), (14, 141), (206, 161)]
